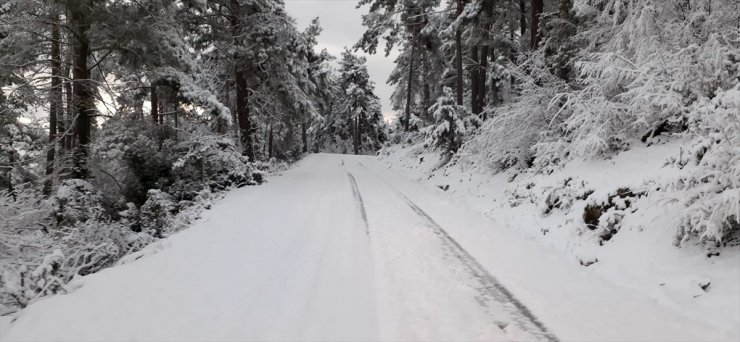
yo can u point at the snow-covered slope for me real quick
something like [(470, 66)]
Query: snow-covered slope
[(342, 248), (641, 256)]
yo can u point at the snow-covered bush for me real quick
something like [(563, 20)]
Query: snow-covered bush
[(157, 212), (40, 257), (528, 126), (604, 216), (649, 61), (24, 286), (89, 225), (76, 200), (709, 196), (564, 195), (131, 157), (93, 245), (209, 161)]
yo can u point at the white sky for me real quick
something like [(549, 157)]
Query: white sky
[(342, 26)]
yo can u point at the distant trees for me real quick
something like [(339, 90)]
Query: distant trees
[(355, 122), (220, 62)]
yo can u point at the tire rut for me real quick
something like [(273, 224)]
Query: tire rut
[(360, 203), (493, 296)]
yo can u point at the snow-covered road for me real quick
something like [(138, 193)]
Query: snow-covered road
[(341, 248)]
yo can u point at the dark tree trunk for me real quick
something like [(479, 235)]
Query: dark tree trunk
[(242, 86), (407, 120), (11, 161), (483, 69), (356, 135), (242, 112), (536, 35), (269, 143), (426, 92), (482, 76), (154, 98), (304, 136), (522, 17), (474, 80), (458, 58), (55, 103), (68, 138), (83, 96)]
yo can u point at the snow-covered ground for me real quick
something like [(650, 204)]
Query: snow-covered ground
[(342, 248), (641, 256)]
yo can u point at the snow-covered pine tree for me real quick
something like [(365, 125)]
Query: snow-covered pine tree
[(452, 123)]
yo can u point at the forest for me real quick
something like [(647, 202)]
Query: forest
[(122, 121), (118, 115)]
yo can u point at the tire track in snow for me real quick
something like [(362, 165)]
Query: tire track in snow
[(358, 198), (493, 294)]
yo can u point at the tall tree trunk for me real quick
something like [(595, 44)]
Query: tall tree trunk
[(304, 136), (154, 99), (474, 80), (482, 78), (426, 92), (458, 57), (68, 138), (483, 69), (242, 112), (55, 103), (356, 135), (242, 85), (269, 143), (83, 90), (11, 161), (536, 35), (522, 17), (407, 120)]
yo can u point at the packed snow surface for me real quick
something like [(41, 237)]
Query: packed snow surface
[(341, 248)]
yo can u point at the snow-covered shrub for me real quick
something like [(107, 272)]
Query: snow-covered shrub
[(604, 216), (157, 212), (521, 193), (76, 200), (649, 62), (58, 255), (190, 210), (24, 286), (93, 245), (131, 157), (709, 196), (209, 161), (563, 196), (149, 166), (510, 137), (26, 226), (639, 68)]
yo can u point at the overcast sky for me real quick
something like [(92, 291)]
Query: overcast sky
[(342, 24)]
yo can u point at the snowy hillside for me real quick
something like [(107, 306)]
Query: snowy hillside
[(633, 243)]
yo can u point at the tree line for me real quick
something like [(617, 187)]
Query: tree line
[(240, 67), (528, 85)]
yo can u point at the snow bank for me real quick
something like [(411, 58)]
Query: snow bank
[(633, 242)]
